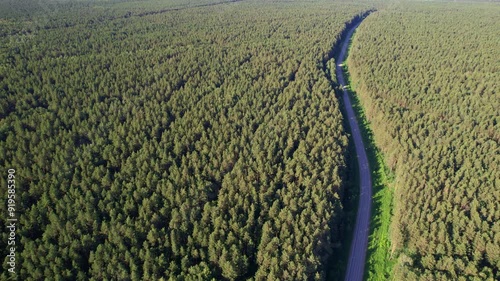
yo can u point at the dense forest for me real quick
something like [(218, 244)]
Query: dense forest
[(172, 141), (427, 76)]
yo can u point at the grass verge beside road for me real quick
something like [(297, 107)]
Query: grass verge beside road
[(378, 261)]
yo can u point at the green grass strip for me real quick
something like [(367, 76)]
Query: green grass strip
[(378, 261)]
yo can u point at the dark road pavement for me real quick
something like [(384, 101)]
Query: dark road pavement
[(357, 255)]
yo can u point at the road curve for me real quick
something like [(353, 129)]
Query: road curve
[(357, 256)]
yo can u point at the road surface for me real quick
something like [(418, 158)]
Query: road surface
[(357, 255)]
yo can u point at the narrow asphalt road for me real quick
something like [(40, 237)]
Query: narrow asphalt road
[(359, 244)]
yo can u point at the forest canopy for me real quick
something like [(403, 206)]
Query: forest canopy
[(192, 143), (427, 77)]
